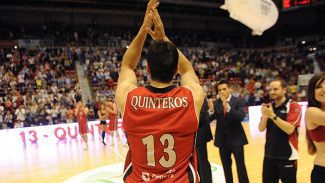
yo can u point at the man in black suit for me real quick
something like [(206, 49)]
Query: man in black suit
[(202, 138), (230, 137)]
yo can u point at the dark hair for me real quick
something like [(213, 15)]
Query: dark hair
[(162, 61), (223, 81), (282, 82), (316, 79), (312, 102)]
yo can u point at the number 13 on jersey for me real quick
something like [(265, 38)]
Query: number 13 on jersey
[(166, 138)]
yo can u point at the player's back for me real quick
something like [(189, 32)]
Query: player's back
[(160, 125)]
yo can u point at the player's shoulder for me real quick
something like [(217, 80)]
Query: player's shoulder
[(121, 93), (124, 88), (196, 89), (197, 93)]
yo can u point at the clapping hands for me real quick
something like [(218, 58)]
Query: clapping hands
[(148, 22), (267, 110), (152, 23)]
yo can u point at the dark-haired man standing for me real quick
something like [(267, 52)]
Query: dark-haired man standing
[(230, 137), (160, 120)]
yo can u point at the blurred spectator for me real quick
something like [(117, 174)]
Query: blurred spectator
[(8, 119), (70, 114), (20, 116)]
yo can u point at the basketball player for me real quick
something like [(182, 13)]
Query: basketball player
[(315, 122), (160, 120), (112, 113), (103, 116), (81, 112)]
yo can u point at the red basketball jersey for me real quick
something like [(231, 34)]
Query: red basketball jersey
[(112, 122), (82, 122), (160, 126)]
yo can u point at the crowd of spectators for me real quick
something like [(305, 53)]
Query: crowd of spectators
[(39, 86), (249, 70)]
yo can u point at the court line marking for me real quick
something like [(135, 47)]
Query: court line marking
[(117, 153)]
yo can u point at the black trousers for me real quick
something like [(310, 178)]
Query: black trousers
[(276, 169), (203, 163), (318, 174), (225, 155)]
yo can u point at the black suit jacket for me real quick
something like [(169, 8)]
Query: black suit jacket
[(204, 134), (229, 129)]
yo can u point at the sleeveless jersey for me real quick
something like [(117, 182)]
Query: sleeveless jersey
[(160, 126), (82, 122), (112, 122), (317, 134)]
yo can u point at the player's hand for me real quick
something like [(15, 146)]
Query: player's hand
[(151, 4), (159, 31), (147, 22)]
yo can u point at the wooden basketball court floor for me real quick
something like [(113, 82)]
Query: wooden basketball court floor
[(57, 162)]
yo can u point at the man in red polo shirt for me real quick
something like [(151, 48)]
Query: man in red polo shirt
[(281, 119)]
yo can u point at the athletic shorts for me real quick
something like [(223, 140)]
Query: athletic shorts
[(103, 122)]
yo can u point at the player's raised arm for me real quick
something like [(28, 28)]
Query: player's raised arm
[(185, 68), (127, 78)]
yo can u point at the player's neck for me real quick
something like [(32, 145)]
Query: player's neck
[(157, 84)]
